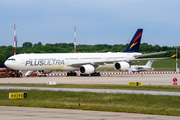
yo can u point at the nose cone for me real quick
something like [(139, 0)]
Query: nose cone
[(10, 64), (6, 63)]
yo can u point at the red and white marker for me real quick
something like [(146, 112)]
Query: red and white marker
[(75, 38), (15, 35)]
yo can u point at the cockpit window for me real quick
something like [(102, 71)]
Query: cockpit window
[(11, 59)]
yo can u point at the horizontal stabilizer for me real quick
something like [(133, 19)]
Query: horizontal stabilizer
[(149, 54), (173, 56)]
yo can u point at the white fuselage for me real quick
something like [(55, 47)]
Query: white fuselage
[(63, 61), (140, 68)]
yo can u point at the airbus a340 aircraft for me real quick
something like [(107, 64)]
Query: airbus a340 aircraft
[(85, 63)]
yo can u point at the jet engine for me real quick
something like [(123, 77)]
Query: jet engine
[(121, 66), (45, 71), (86, 69)]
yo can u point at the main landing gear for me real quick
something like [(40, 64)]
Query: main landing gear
[(72, 73), (96, 74), (92, 74)]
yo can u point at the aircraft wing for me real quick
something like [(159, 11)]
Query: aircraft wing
[(144, 59), (149, 54), (78, 64)]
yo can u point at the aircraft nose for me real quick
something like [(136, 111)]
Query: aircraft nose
[(6, 63)]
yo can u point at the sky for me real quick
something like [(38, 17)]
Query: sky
[(98, 21)]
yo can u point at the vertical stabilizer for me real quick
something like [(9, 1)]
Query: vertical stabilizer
[(135, 42), (149, 63)]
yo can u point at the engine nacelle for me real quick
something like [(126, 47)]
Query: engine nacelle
[(121, 66), (45, 71), (86, 69)]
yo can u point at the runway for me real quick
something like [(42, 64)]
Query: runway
[(25, 113)]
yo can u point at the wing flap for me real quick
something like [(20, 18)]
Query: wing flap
[(145, 59)]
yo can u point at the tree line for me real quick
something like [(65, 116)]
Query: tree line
[(28, 47)]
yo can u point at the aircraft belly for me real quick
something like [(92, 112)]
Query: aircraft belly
[(106, 66), (68, 68), (48, 67)]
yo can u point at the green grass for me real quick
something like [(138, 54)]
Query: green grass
[(102, 86), (132, 103), (159, 65)]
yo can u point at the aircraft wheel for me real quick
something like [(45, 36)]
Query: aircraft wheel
[(68, 74), (98, 74), (95, 74), (92, 74), (19, 75), (74, 74)]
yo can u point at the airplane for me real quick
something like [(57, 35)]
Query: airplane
[(85, 63), (137, 68)]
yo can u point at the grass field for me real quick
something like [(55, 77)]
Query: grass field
[(102, 86), (132, 103)]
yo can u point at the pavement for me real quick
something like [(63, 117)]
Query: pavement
[(27, 113)]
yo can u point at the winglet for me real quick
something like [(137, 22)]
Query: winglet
[(135, 42), (173, 56)]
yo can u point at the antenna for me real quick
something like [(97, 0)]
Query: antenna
[(75, 38), (128, 40), (15, 38)]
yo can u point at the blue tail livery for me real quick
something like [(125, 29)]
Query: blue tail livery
[(135, 42)]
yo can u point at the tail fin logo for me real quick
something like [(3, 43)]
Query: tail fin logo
[(133, 45), (135, 40)]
